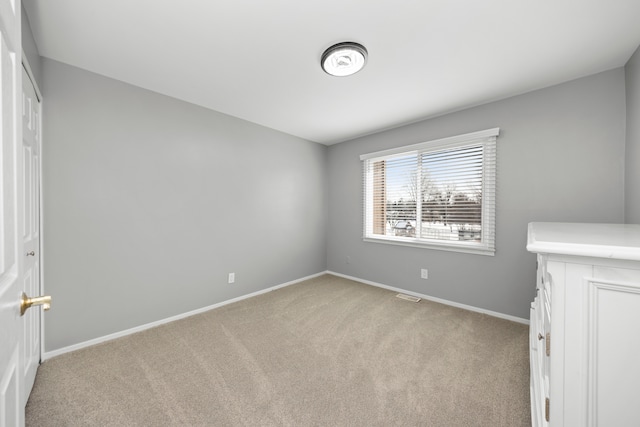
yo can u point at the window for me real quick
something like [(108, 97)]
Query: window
[(438, 194)]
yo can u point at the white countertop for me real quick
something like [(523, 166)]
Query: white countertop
[(617, 241)]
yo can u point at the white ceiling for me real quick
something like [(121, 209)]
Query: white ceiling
[(260, 60)]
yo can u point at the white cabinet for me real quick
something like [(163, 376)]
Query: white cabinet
[(585, 325)]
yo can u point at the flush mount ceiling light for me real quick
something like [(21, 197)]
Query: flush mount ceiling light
[(344, 59)]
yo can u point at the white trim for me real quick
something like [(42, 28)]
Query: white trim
[(437, 245), (41, 216), (50, 354), (74, 347), (436, 143), (32, 77), (36, 88), (434, 299)]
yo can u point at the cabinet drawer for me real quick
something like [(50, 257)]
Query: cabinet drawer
[(536, 386)]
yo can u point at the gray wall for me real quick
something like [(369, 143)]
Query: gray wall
[(632, 169), (30, 49), (149, 202), (560, 158)]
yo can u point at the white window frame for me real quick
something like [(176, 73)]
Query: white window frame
[(486, 138)]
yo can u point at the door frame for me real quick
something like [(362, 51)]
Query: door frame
[(34, 82)]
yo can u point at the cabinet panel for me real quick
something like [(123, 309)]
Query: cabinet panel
[(614, 353), (617, 274)]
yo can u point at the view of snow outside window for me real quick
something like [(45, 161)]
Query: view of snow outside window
[(443, 189)]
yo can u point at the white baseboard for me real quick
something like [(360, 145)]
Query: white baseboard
[(434, 299), (54, 353)]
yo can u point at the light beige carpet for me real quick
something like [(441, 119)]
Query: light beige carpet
[(325, 352)]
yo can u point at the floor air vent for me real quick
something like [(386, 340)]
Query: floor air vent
[(408, 298)]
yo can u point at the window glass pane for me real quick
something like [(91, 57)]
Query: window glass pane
[(401, 196), (395, 196)]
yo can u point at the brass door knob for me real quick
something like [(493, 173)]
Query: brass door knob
[(26, 302)]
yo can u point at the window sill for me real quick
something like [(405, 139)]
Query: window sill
[(451, 247)]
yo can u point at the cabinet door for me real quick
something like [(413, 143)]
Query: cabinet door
[(613, 352)]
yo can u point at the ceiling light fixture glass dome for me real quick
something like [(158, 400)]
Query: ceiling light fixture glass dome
[(344, 59)]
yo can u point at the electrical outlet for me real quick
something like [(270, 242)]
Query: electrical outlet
[(348, 260), (424, 273), (232, 277)]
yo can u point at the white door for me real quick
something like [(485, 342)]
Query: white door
[(31, 226), (11, 245), (19, 223)]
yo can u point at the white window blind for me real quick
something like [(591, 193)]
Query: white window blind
[(437, 194)]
